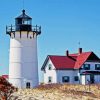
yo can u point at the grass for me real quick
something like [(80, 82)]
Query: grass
[(62, 92), (79, 90)]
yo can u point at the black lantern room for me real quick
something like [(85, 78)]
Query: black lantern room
[(23, 22)]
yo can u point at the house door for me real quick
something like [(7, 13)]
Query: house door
[(28, 85), (92, 78)]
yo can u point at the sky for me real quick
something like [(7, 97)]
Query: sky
[(64, 24)]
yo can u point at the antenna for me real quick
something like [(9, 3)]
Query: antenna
[(23, 4)]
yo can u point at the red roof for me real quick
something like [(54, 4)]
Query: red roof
[(73, 61), (62, 62), (81, 58), (66, 62)]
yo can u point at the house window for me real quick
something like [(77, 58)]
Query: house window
[(97, 66), (49, 79), (50, 66), (76, 78), (86, 66), (28, 85), (65, 79)]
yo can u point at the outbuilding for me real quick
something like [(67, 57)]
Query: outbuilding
[(77, 68)]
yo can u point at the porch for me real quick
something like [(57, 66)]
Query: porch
[(90, 77)]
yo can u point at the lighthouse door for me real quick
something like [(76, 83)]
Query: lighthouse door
[(28, 85)]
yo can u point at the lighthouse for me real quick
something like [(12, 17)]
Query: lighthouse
[(23, 60)]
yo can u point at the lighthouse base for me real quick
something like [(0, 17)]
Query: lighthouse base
[(23, 83)]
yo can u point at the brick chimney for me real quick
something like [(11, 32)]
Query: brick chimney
[(80, 50), (67, 53)]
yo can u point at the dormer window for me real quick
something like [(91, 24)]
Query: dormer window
[(97, 66), (86, 66), (50, 66)]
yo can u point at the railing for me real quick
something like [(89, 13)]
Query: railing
[(36, 29), (10, 28)]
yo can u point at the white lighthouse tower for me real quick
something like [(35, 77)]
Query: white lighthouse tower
[(23, 61)]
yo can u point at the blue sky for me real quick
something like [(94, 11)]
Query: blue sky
[(64, 23)]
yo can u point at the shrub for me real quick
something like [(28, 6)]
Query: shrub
[(6, 89)]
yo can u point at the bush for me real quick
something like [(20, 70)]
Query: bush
[(6, 89)]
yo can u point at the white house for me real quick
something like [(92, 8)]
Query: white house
[(78, 68)]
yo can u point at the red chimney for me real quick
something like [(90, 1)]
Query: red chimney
[(80, 50), (67, 53)]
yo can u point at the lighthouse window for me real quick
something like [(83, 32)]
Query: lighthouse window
[(26, 22), (28, 85), (19, 21), (29, 22)]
